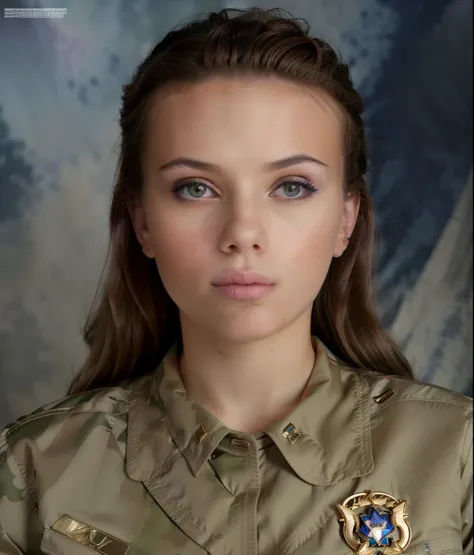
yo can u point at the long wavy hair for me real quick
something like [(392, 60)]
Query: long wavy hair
[(133, 321)]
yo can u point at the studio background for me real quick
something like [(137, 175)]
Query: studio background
[(60, 86)]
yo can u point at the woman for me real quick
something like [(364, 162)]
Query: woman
[(240, 395)]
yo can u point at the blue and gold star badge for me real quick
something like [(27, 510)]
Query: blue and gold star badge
[(375, 524)]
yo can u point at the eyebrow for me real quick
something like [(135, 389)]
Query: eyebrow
[(214, 168)]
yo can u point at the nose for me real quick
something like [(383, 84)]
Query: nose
[(243, 232)]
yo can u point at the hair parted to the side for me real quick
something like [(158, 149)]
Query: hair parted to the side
[(133, 322)]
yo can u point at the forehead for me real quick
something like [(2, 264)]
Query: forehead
[(253, 117)]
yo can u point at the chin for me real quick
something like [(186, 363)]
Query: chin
[(246, 327)]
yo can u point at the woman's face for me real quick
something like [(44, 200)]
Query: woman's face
[(244, 175)]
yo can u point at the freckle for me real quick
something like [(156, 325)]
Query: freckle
[(220, 352)]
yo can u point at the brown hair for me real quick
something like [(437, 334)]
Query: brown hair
[(133, 322)]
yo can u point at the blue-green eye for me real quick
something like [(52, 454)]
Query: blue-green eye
[(292, 189), (296, 189), (193, 190)]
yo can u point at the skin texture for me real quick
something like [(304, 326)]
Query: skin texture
[(242, 215)]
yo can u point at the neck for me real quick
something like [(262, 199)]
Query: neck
[(247, 386)]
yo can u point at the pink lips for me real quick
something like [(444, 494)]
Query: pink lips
[(243, 285)]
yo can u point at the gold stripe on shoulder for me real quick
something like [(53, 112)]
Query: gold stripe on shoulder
[(90, 537)]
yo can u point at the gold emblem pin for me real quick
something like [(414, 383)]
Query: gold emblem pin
[(200, 434), (375, 524), (384, 396), (90, 537), (291, 433)]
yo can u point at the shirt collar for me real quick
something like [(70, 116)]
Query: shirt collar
[(331, 425)]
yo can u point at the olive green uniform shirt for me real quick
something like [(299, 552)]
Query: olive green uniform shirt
[(141, 470)]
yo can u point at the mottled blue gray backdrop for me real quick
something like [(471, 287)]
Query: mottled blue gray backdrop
[(60, 84)]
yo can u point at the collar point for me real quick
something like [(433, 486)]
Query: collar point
[(338, 475)]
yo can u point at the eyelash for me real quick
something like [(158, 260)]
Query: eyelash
[(306, 184)]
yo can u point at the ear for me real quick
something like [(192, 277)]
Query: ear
[(140, 226), (349, 220)]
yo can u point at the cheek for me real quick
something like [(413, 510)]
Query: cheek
[(310, 264), (179, 253), (311, 242)]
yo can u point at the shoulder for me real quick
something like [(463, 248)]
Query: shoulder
[(54, 448), (70, 419), (401, 398), (416, 413), (386, 391)]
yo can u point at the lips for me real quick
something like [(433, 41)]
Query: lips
[(239, 285), (242, 278)]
